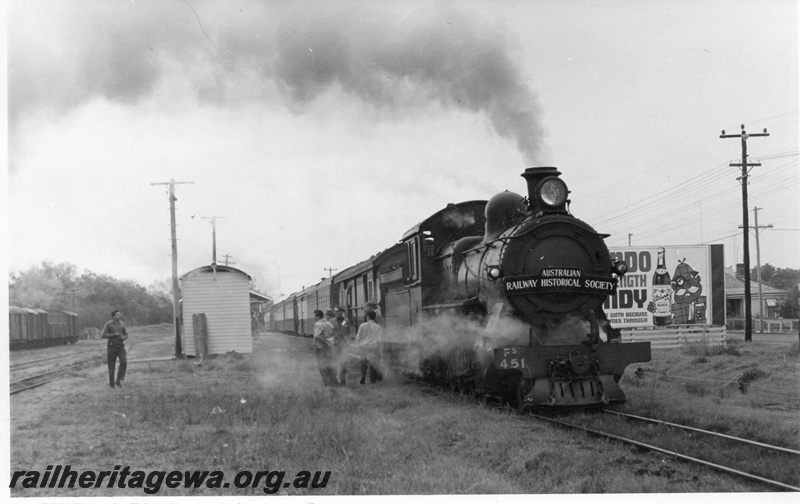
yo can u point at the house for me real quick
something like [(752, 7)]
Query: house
[(771, 299), (259, 309)]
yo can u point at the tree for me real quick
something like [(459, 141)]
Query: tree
[(785, 279), (789, 308), (778, 278), (57, 287), (33, 288), (767, 272)]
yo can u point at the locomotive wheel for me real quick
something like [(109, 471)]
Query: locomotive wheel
[(475, 390), (453, 384), (522, 390), (452, 381)]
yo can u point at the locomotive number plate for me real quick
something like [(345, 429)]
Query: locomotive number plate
[(511, 359), (559, 280), (512, 363)]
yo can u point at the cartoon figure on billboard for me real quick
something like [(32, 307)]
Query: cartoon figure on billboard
[(686, 284), (687, 306)]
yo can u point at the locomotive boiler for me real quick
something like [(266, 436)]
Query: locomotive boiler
[(514, 312)]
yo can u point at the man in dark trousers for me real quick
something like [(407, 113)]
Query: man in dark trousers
[(323, 342), (341, 335), (116, 334)]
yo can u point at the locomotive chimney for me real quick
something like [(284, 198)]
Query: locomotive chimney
[(534, 177)]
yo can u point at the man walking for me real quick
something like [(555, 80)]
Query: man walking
[(116, 334)]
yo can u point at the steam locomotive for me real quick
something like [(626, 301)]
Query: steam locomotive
[(500, 298)]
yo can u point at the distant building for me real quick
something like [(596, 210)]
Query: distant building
[(734, 296), (222, 294), (259, 309)]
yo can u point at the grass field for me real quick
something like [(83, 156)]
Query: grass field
[(269, 412)]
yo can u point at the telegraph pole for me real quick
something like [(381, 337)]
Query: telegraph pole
[(213, 220), (758, 271), (73, 291), (748, 324), (330, 271), (173, 234), (227, 259)]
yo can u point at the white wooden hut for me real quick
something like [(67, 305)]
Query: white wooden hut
[(221, 293)]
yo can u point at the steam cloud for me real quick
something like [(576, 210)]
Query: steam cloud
[(391, 60), (445, 332)]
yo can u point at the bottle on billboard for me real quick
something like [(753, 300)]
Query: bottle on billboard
[(662, 292)]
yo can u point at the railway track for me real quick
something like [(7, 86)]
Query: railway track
[(38, 380), (724, 444), (703, 431), (729, 451), (31, 363)]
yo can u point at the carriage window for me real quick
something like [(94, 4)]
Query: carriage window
[(412, 250), (428, 244)]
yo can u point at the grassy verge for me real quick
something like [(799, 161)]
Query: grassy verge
[(750, 390), (269, 412)]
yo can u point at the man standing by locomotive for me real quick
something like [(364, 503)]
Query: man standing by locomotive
[(341, 335), (323, 342), (369, 336), (116, 334)]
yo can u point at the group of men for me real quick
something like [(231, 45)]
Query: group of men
[(331, 342)]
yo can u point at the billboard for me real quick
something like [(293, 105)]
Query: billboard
[(668, 285)]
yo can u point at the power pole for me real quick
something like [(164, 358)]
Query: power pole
[(73, 290), (748, 324), (176, 312), (629, 238), (213, 220), (758, 271), (227, 259), (330, 271)]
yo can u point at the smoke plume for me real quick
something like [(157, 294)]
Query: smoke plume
[(393, 59)]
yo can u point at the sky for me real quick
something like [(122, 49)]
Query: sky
[(316, 133)]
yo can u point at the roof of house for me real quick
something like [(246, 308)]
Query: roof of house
[(258, 297), (735, 287)]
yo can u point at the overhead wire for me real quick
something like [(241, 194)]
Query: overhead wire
[(620, 220), (644, 174)]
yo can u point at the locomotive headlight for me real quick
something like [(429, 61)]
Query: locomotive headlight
[(619, 267), (493, 272), (553, 191)]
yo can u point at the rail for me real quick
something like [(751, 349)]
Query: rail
[(642, 445), (681, 456)]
